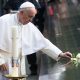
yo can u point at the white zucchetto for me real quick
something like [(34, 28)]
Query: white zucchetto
[(27, 4)]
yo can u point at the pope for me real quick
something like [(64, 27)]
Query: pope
[(30, 39)]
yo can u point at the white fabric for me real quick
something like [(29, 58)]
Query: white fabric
[(27, 4), (31, 39), (37, 0), (2, 60), (51, 50)]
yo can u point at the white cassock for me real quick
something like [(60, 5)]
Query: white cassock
[(31, 39)]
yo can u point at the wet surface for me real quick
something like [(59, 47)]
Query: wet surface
[(58, 71)]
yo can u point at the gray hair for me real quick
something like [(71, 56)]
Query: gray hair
[(26, 10)]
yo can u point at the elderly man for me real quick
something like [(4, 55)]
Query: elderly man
[(30, 38), (38, 21)]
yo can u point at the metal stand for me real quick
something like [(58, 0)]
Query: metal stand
[(16, 78)]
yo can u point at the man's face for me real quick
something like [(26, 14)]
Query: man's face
[(27, 16)]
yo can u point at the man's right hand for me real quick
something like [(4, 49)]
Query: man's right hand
[(3, 67)]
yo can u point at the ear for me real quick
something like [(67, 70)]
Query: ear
[(21, 12)]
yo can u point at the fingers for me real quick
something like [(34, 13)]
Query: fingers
[(3, 67), (68, 55)]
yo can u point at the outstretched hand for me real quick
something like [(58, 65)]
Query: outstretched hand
[(65, 55)]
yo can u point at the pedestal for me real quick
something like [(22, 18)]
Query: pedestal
[(16, 78)]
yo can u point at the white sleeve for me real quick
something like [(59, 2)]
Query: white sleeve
[(2, 60), (51, 50)]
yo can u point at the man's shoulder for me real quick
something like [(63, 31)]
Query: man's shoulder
[(5, 16), (32, 25)]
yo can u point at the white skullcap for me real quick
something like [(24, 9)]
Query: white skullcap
[(27, 4)]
